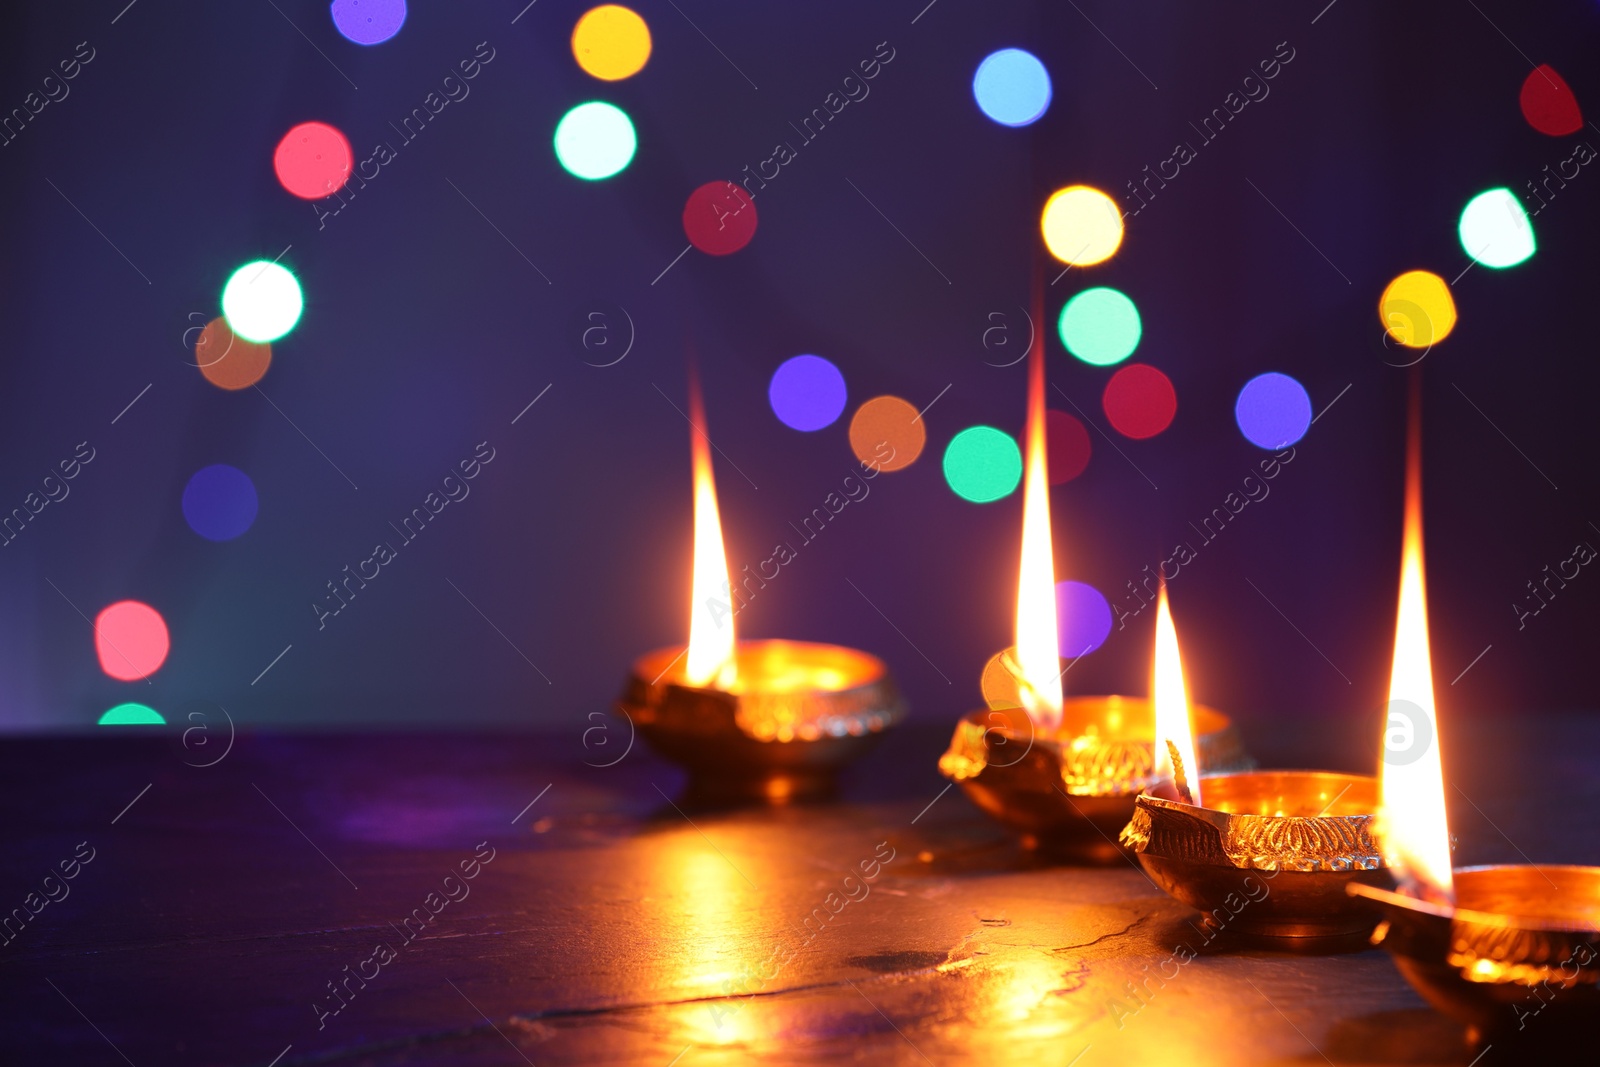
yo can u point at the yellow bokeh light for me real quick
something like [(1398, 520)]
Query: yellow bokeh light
[(1417, 309), (1081, 225), (611, 42)]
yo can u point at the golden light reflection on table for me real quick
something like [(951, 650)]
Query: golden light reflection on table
[(718, 947), (704, 897), (1020, 987)]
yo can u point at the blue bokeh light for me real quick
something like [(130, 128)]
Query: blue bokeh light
[(1273, 410), (807, 393), (1012, 87), (220, 502), (368, 21), (1083, 618)]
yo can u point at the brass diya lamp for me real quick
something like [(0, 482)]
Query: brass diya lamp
[(1074, 789), (1516, 956), (752, 720), (1318, 830), (1262, 855), (1509, 950), (1061, 772), (1268, 855)]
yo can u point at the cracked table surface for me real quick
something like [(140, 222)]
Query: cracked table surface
[(489, 899)]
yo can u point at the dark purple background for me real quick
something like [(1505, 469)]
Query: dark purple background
[(426, 333)]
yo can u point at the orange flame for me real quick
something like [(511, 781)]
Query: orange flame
[(711, 639), (1171, 698), (1413, 829), (1038, 651)]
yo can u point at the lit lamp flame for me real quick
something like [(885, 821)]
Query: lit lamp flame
[(1413, 830), (1038, 653), (1171, 698), (711, 641)]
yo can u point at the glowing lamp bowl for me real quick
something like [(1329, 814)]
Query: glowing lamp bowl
[(1517, 955), (1071, 793), (1269, 854), (797, 713)]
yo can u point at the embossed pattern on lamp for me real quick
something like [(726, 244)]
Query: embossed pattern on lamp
[(752, 720), (1063, 772)]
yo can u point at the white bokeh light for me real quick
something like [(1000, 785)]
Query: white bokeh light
[(1495, 230), (262, 301)]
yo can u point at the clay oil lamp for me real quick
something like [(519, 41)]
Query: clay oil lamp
[(1062, 772), (752, 720), (1512, 951)]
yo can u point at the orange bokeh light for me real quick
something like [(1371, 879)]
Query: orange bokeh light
[(891, 422), (227, 360)]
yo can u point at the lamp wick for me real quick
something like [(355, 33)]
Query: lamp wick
[(1178, 778)]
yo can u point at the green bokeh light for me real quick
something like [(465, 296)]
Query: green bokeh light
[(1495, 230), (982, 464), (595, 140), (262, 301), (132, 715), (1100, 326)]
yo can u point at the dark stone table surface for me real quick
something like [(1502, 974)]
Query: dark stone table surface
[(220, 906)]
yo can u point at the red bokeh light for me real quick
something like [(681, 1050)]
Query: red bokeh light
[(313, 160), (1066, 443), (1548, 103), (131, 640), (720, 218), (1140, 401)]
